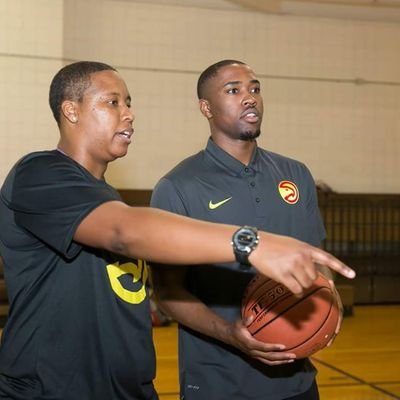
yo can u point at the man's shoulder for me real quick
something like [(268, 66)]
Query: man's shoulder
[(277, 157), (185, 168), (285, 167), (179, 181)]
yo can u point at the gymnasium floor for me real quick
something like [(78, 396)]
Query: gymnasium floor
[(362, 364)]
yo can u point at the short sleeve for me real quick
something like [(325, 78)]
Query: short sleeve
[(317, 229), (51, 194)]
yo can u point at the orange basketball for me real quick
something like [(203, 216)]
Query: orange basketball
[(305, 325)]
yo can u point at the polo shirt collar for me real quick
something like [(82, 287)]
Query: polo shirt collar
[(220, 156)]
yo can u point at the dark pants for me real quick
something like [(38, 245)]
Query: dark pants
[(311, 394)]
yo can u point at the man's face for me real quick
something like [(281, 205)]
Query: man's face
[(235, 103), (105, 117)]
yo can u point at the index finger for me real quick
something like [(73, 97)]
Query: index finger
[(322, 257)]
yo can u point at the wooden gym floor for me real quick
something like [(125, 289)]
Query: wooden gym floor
[(362, 364)]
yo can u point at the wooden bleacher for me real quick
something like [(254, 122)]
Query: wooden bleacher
[(364, 231)]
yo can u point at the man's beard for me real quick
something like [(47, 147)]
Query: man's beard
[(248, 136)]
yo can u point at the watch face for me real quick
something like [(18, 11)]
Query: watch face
[(245, 239)]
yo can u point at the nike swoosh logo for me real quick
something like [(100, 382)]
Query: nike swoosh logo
[(213, 206)]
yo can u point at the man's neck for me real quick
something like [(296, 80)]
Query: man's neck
[(242, 150)]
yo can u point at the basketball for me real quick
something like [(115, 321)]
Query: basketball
[(304, 325)]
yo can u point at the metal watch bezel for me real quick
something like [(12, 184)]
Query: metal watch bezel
[(244, 241)]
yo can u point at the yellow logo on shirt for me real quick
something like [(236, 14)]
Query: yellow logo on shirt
[(213, 206), (139, 273)]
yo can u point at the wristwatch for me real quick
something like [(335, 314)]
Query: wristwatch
[(244, 241)]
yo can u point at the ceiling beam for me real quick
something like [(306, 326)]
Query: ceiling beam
[(276, 6), (269, 6)]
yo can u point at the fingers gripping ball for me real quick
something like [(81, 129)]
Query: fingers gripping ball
[(305, 325)]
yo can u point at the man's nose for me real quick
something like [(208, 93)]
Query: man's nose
[(249, 100)]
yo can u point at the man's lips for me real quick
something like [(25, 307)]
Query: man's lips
[(250, 116)]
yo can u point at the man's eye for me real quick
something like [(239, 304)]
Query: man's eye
[(113, 102), (233, 90), (256, 90)]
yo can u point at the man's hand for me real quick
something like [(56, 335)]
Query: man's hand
[(267, 353)]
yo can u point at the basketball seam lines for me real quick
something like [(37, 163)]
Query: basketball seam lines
[(288, 308)]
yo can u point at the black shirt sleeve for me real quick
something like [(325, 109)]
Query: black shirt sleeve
[(51, 195)]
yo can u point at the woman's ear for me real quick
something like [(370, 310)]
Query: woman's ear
[(68, 109)]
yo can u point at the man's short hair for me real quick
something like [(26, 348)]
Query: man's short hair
[(71, 82), (210, 72)]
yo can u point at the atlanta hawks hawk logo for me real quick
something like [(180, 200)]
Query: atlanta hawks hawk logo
[(289, 192)]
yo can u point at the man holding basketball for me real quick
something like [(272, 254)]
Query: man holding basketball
[(234, 181), (79, 326)]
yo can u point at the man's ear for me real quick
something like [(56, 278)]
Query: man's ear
[(68, 109), (205, 108)]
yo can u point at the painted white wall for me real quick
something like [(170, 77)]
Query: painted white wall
[(31, 50), (331, 87)]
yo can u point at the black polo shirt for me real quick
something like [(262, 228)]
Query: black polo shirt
[(275, 194)]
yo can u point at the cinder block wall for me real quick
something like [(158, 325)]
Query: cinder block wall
[(331, 87)]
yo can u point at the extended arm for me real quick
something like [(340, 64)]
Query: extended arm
[(160, 236)]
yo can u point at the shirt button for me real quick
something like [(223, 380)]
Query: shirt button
[(246, 170), (252, 184), (258, 199)]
